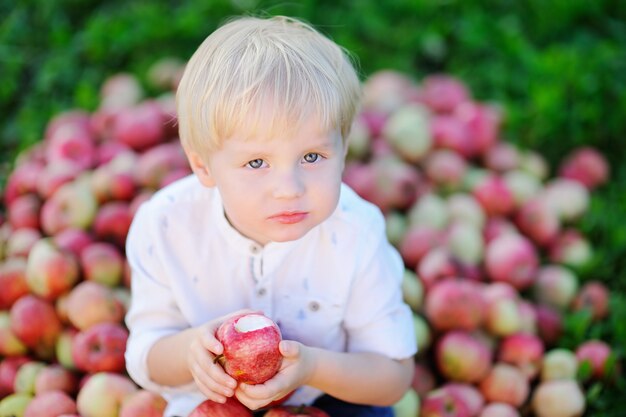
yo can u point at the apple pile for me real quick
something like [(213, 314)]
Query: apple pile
[(489, 241), (492, 253)]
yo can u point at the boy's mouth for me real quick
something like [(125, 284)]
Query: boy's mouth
[(289, 217)]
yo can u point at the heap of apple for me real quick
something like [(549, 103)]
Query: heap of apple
[(489, 240)]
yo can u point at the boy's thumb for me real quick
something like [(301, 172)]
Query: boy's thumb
[(289, 348)]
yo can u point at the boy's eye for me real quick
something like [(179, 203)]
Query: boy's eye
[(255, 163), (311, 157)]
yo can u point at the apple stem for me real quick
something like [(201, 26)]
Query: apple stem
[(220, 359)]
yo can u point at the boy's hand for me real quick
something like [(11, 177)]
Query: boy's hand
[(209, 375), (295, 371)]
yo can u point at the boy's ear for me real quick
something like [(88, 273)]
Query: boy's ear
[(201, 169)]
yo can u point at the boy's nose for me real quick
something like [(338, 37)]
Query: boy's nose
[(288, 184)]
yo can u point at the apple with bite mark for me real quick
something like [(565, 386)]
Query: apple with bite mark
[(251, 353)]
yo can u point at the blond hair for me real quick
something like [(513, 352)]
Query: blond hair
[(251, 62)]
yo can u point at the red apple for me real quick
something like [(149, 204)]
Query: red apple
[(10, 344), (467, 394), (538, 222), (102, 262), (73, 240), (295, 411), (594, 297), (143, 403), (24, 211), (511, 258), (12, 281), (501, 157), (103, 393), (482, 123), (423, 379), (50, 404), (443, 93), (586, 165), (55, 377), (251, 353), (100, 348), (523, 350), (595, 354), (22, 180), (549, 324), (505, 383), (463, 357), (55, 175), (72, 205), (141, 126), (455, 304), (8, 371), (121, 91), (417, 241), (35, 322), (71, 142), (495, 196), (20, 242), (385, 91), (112, 221), (441, 403), (445, 168), (90, 303), (50, 271), (231, 408), (157, 162)]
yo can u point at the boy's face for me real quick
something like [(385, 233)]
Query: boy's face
[(280, 188)]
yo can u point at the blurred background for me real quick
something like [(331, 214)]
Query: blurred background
[(556, 67)]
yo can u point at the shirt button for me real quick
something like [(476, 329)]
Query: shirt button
[(261, 292), (314, 306), (254, 249)]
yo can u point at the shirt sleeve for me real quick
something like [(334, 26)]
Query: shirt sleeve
[(153, 312), (377, 319)]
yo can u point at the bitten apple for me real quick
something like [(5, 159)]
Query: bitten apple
[(251, 352)]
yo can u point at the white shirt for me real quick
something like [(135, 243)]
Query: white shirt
[(337, 288)]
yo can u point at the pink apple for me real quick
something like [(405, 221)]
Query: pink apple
[(121, 91), (385, 91), (100, 348), (468, 394), (108, 184), (450, 132), (482, 122), (445, 168), (20, 242), (102, 262), (494, 195), (8, 371), (441, 403), (108, 150), (570, 248), (50, 271), (555, 286), (455, 304), (143, 403), (523, 350), (417, 241), (55, 175), (528, 314), (586, 165), (295, 411), (10, 344), (50, 404), (155, 163), (463, 357), (501, 157), (562, 398), (72, 205), (112, 221), (496, 409), (567, 198), (549, 323), (12, 281), (537, 221), (592, 296), (511, 258), (436, 265), (55, 377), (231, 408), (74, 117), (595, 354), (73, 239), (141, 127), (498, 226), (90, 303), (250, 344), (22, 180), (74, 143), (35, 322), (24, 211), (103, 393), (443, 93), (505, 383)]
